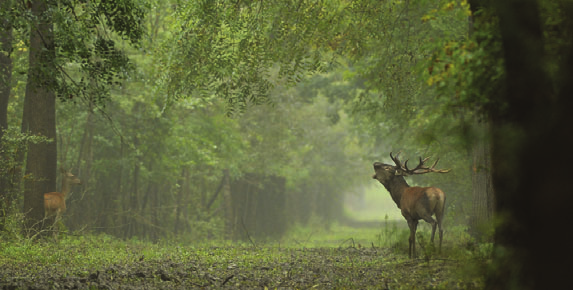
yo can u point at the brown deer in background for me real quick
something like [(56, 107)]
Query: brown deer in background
[(55, 202), (416, 203)]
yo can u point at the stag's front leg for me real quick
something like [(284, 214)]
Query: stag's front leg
[(413, 225)]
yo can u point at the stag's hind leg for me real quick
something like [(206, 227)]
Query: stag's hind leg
[(434, 224), (441, 232), (439, 217), (413, 225)]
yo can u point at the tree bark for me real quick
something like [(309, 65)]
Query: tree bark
[(483, 194), (39, 117), (483, 198), (5, 64), (5, 87), (531, 155)]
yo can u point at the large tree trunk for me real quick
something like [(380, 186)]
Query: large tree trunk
[(483, 195), (5, 87), (531, 155), (39, 117), (482, 186), (5, 64)]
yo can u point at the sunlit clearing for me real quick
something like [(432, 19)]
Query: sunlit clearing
[(371, 203)]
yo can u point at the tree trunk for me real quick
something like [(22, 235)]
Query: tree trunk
[(531, 155), (118, 196), (84, 211), (155, 211), (5, 87), (483, 195), (228, 206), (39, 117), (180, 196), (133, 203), (213, 198), (482, 186), (5, 64)]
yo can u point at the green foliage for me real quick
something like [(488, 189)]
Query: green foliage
[(164, 154), (88, 61), (392, 236), (230, 48), (13, 146), (338, 84), (395, 96), (468, 72), (84, 253), (178, 112)]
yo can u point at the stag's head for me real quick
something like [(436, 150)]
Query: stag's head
[(385, 172)]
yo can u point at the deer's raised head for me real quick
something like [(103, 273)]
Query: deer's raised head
[(385, 172)]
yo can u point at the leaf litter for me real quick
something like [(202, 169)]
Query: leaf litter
[(244, 267)]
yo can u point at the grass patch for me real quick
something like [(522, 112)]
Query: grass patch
[(341, 257), (336, 235)]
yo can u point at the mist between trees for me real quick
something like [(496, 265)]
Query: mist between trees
[(240, 120)]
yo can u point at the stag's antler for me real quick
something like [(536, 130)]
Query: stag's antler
[(396, 160), (419, 169)]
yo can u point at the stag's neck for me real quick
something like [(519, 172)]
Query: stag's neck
[(396, 187)]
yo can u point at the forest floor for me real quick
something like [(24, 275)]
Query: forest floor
[(322, 268), (103, 262)]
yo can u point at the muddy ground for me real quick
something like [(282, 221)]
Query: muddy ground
[(327, 268)]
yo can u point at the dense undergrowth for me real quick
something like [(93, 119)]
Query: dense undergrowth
[(340, 257)]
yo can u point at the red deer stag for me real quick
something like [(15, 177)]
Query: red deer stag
[(416, 203), (55, 202)]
